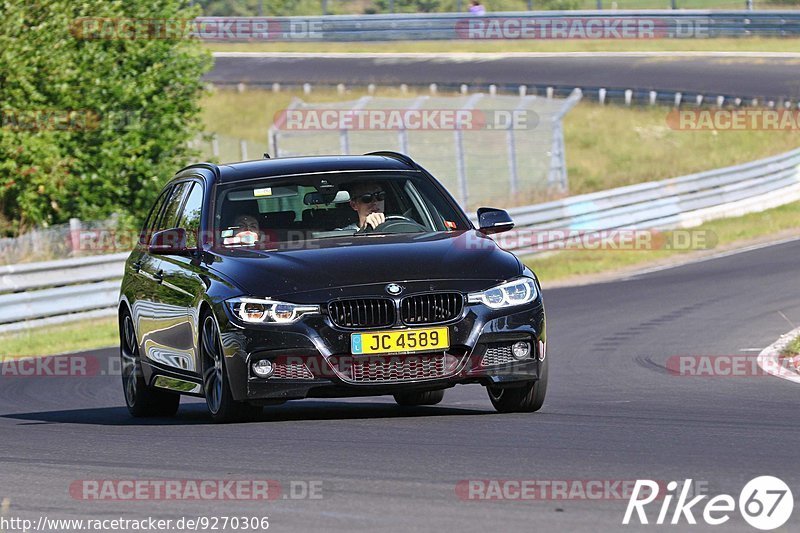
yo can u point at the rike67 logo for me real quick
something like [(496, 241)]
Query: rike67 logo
[(765, 503)]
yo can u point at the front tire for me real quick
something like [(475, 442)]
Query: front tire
[(219, 398), (526, 399), (141, 400), (411, 399)]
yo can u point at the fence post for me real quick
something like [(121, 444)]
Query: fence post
[(243, 149), (599, 4), (749, 5), (557, 175), (215, 145), (75, 235), (511, 142), (403, 133), (273, 136), (461, 167)]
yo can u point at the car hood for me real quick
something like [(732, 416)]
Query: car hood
[(362, 260)]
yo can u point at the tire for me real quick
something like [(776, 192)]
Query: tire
[(141, 400), (216, 387), (410, 399), (526, 399)]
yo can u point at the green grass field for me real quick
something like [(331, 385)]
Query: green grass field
[(606, 146), (50, 340)]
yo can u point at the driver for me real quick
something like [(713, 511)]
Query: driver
[(367, 199)]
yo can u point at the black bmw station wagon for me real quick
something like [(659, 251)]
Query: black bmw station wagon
[(264, 281)]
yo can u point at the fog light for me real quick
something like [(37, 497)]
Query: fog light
[(521, 350), (263, 368)]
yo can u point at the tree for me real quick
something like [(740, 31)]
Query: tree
[(94, 118)]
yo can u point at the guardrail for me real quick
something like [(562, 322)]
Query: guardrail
[(677, 202), (641, 24), (59, 291)]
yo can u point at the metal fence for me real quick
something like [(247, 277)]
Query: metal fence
[(60, 291), (638, 24), (57, 241), (486, 148)]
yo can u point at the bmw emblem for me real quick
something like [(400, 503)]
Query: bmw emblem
[(394, 289)]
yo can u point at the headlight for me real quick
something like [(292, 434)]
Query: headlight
[(268, 311), (517, 292)]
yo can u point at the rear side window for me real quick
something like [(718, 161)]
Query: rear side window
[(190, 217), (169, 218)]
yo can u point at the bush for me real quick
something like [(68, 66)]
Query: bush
[(91, 127)]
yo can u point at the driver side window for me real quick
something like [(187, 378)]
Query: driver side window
[(190, 218), (169, 217)]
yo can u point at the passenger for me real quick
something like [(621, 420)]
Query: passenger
[(246, 230)]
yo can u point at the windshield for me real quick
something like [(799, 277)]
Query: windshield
[(264, 213)]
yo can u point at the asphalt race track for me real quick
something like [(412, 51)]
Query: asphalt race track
[(763, 76), (612, 413)]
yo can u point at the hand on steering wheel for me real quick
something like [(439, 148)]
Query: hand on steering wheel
[(392, 222), (373, 220)]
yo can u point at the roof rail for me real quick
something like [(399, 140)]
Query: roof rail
[(209, 166), (396, 156)]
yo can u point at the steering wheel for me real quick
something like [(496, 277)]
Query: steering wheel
[(396, 224)]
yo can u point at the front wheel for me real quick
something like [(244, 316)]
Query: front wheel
[(526, 399), (142, 401), (217, 389)]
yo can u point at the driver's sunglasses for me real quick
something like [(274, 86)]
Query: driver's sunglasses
[(369, 197)]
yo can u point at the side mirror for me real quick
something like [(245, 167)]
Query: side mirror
[(169, 242), (491, 220)]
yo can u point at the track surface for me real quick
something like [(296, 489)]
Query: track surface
[(772, 77), (611, 413)]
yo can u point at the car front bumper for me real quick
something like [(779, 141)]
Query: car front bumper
[(312, 357)]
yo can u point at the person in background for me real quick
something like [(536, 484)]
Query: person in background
[(477, 8)]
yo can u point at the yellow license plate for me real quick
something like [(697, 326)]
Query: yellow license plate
[(401, 341)]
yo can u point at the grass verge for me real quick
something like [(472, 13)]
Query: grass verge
[(751, 44), (576, 266), (792, 349), (50, 340)]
